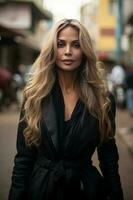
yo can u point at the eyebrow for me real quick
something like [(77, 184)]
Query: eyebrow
[(65, 40)]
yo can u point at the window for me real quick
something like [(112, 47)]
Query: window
[(112, 7)]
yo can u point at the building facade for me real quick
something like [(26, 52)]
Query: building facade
[(88, 16), (127, 39), (110, 24), (23, 25), (104, 21)]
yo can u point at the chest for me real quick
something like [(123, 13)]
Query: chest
[(70, 101), (82, 133)]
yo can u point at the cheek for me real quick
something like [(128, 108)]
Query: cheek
[(59, 58), (80, 56), (59, 54)]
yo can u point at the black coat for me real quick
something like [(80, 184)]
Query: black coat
[(61, 168)]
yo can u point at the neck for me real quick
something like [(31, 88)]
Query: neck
[(67, 80)]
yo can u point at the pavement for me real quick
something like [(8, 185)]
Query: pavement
[(124, 129)]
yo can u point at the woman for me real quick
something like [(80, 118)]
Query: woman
[(67, 113)]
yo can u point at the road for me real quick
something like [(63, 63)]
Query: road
[(8, 129)]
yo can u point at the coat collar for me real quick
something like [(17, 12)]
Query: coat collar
[(50, 120)]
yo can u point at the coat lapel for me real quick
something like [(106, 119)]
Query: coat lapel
[(50, 119)]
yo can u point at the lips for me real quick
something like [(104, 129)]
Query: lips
[(67, 61)]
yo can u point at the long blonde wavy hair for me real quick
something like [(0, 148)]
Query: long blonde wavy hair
[(42, 79)]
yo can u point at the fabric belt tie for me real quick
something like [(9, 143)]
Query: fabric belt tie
[(61, 174), (63, 170)]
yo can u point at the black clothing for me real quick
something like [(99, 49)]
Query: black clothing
[(129, 80), (62, 169)]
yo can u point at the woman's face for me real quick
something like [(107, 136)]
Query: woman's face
[(69, 53)]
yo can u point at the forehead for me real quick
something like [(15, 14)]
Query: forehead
[(68, 32)]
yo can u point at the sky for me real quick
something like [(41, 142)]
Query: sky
[(64, 8)]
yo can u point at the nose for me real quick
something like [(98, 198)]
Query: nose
[(68, 50)]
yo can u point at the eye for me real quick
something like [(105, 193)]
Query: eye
[(60, 44), (76, 45)]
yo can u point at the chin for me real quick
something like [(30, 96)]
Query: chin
[(67, 68)]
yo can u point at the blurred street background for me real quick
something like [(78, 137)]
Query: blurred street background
[(24, 26)]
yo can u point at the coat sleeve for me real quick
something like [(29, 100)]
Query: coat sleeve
[(23, 164), (108, 160)]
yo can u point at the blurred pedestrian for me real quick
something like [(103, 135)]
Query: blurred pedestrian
[(129, 84), (19, 83), (19, 76), (117, 77), (66, 114), (6, 78)]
